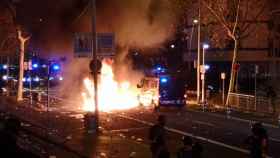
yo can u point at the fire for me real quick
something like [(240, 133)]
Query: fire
[(112, 95)]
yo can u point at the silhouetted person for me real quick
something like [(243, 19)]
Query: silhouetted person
[(9, 131), (258, 141), (197, 150), (8, 137), (190, 149), (187, 150), (157, 136)]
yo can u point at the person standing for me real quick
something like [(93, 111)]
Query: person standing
[(190, 149), (187, 150), (258, 141), (157, 137)]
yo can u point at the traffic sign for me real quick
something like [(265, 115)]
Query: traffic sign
[(236, 66), (99, 65), (83, 45), (256, 69), (202, 76), (27, 65), (202, 69), (223, 75), (106, 44)]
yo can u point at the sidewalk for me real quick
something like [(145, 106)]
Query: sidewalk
[(89, 145)]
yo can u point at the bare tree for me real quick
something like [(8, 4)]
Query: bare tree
[(22, 41), (236, 18)]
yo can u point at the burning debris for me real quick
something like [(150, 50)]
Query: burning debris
[(112, 94)]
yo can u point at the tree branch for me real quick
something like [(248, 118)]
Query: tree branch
[(222, 21), (246, 26), (236, 18), (12, 10), (21, 38)]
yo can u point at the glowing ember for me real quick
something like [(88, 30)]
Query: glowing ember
[(112, 95)]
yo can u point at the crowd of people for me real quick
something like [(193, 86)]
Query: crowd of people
[(257, 142)]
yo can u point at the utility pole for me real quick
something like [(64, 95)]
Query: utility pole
[(223, 77), (94, 58), (48, 85), (198, 55), (203, 78), (8, 74), (203, 72), (30, 87)]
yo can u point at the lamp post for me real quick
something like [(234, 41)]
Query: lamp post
[(48, 85), (198, 55), (205, 46)]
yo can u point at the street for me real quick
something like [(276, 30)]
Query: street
[(219, 136)]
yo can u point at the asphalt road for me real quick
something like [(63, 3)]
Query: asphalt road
[(212, 127), (220, 137)]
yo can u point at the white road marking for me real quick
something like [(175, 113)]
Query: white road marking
[(274, 139), (204, 123), (128, 129)]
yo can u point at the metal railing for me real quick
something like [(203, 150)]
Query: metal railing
[(249, 103)]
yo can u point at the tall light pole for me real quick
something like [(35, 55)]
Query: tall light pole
[(205, 46), (198, 56)]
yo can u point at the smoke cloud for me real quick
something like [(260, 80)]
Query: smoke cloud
[(136, 24)]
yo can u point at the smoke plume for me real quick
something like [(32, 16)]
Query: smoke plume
[(135, 23)]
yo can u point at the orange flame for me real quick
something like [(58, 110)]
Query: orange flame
[(112, 95)]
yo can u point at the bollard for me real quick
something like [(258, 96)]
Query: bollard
[(90, 122), (228, 113), (37, 96)]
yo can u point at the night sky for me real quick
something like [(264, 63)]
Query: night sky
[(52, 23)]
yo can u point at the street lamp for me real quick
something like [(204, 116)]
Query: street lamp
[(206, 46), (198, 22), (223, 77), (203, 67)]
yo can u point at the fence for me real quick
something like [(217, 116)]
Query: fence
[(250, 103)]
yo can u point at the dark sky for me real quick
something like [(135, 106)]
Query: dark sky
[(49, 22), (40, 16), (137, 23)]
